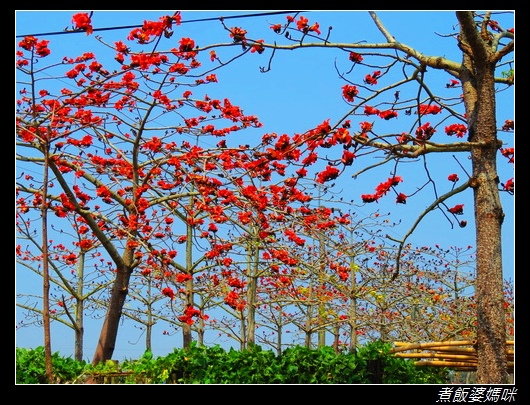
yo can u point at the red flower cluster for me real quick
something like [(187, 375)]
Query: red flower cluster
[(238, 34), (293, 237), (508, 153), (453, 177), (31, 44), (233, 300), (258, 47), (189, 313), (509, 186), (372, 79), (425, 132), (457, 209), (388, 114), (82, 22), (349, 92), (236, 283), (429, 109), (383, 188), (371, 110), (168, 292), (182, 277), (456, 129), (154, 29), (277, 28), (303, 25), (355, 57), (508, 125), (330, 173)]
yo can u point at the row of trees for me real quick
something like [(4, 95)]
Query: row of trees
[(337, 282), (134, 187)]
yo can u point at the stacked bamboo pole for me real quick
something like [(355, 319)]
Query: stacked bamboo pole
[(459, 355)]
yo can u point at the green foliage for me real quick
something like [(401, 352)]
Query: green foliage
[(508, 74), (30, 367), (372, 363), (395, 370)]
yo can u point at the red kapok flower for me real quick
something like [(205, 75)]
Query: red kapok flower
[(453, 177), (349, 92), (509, 186), (329, 173), (401, 198), (168, 292), (355, 57), (82, 22), (457, 209)]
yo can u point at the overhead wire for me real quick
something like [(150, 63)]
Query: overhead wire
[(140, 25)]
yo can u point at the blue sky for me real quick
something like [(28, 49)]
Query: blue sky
[(301, 90)]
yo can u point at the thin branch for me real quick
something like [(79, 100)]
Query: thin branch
[(420, 218)]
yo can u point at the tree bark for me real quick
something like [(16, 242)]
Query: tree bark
[(109, 331), (478, 80)]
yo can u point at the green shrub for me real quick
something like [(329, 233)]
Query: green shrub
[(30, 367), (371, 364)]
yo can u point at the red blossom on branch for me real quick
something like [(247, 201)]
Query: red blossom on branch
[(508, 153), (277, 28), (425, 132), (453, 177), (347, 158), (30, 43), (258, 47), (372, 79), (238, 34), (168, 292), (371, 110), (508, 125), (509, 186), (429, 109), (457, 209), (234, 301), (303, 25), (401, 198), (383, 188), (330, 173), (456, 129), (182, 277), (155, 29), (388, 114), (189, 314), (349, 92), (82, 22), (403, 138), (355, 57)]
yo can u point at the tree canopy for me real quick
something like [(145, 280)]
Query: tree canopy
[(161, 198)]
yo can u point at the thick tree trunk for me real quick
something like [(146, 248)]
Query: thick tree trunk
[(491, 328), (478, 82), (109, 330)]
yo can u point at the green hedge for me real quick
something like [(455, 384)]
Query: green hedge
[(371, 364)]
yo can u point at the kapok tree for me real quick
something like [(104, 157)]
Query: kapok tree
[(484, 46), (72, 269), (133, 184), (123, 175)]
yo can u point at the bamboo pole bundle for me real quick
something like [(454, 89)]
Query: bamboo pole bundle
[(403, 346), (448, 354), (446, 345), (441, 363), (457, 365), (438, 356)]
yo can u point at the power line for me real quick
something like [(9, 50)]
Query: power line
[(182, 22)]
